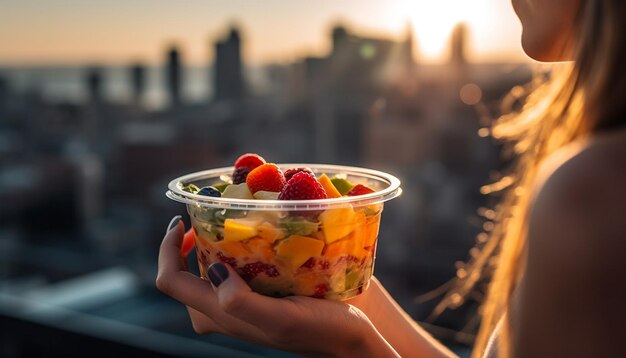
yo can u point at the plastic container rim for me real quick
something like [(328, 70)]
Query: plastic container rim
[(393, 190)]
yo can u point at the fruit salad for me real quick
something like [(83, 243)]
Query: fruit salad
[(323, 251)]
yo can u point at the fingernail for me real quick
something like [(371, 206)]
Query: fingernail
[(218, 273), (174, 222)]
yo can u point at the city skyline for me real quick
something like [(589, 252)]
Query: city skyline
[(70, 32)]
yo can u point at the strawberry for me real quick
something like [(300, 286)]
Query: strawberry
[(249, 160), (360, 189), (267, 177), (320, 291), (289, 173), (189, 241), (302, 186)]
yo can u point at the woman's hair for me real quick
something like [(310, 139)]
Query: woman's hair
[(577, 100)]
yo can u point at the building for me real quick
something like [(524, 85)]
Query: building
[(173, 75), (228, 68)]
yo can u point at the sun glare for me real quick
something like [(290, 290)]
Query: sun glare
[(433, 21)]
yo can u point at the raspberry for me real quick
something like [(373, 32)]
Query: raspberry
[(324, 265), (302, 186), (240, 174), (229, 260), (249, 161), (250, 271), (360, 189), (320, 291), (267, 177), (289, 173), (310, 263)]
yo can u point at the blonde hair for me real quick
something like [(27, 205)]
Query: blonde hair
[(579, 99)]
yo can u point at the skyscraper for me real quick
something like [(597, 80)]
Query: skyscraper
[(457, 45), (138, 81), (228, 71), (174, 76), (93, 81)]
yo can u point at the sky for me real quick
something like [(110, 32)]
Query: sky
[(120, 31)]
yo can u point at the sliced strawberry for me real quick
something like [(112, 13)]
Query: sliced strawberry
[(249, 160), (360, 189), (189, 241), (267, 177)]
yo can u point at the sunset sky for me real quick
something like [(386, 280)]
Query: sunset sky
[(120, 31)]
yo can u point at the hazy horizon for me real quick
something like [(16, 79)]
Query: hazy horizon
[(276, 31)]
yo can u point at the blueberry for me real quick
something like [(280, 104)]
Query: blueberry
[(209, 191)]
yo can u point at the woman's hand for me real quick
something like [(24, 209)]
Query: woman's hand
[(228, 306)]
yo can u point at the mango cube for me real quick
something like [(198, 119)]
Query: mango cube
[(240, 229), (261, 248), (233, 248), (270, 232), (337, 223), (331, 191), (298, 249)]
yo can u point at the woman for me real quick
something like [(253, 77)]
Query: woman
[(560, 237)]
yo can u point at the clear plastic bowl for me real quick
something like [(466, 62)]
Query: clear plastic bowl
[(319, 248)]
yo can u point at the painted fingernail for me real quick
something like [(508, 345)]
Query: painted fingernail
[(218, 273), (174, 222)]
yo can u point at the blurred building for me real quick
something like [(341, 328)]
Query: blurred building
[(173, 75), (137, 76), (228, 68), (458, 44)]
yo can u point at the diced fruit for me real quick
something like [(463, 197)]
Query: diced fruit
[(189, 241), (299, 226), (237, 191), (289, 173), (360, 189), (337, 281), (232, 249), (350, 245), (298, 249), (320, 291), (240, 174), (249, 160), (337, 223), (267, 177), (210, 191), (266, 195), (240, 229), (302, 186), (261, 248), (227, 259), (342, 185), (250, 271), (339, 248), (371, 233), (191, 188), (221, 186), (351, 278), (328, 186), (270, 232)]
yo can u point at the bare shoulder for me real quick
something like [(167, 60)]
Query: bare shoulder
[(588, 189), (570, 300)]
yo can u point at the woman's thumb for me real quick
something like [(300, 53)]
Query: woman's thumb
[(237, 299)]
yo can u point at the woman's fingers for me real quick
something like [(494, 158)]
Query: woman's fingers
[(198, 295), (174, 280), (203, 324), (270, 315)]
